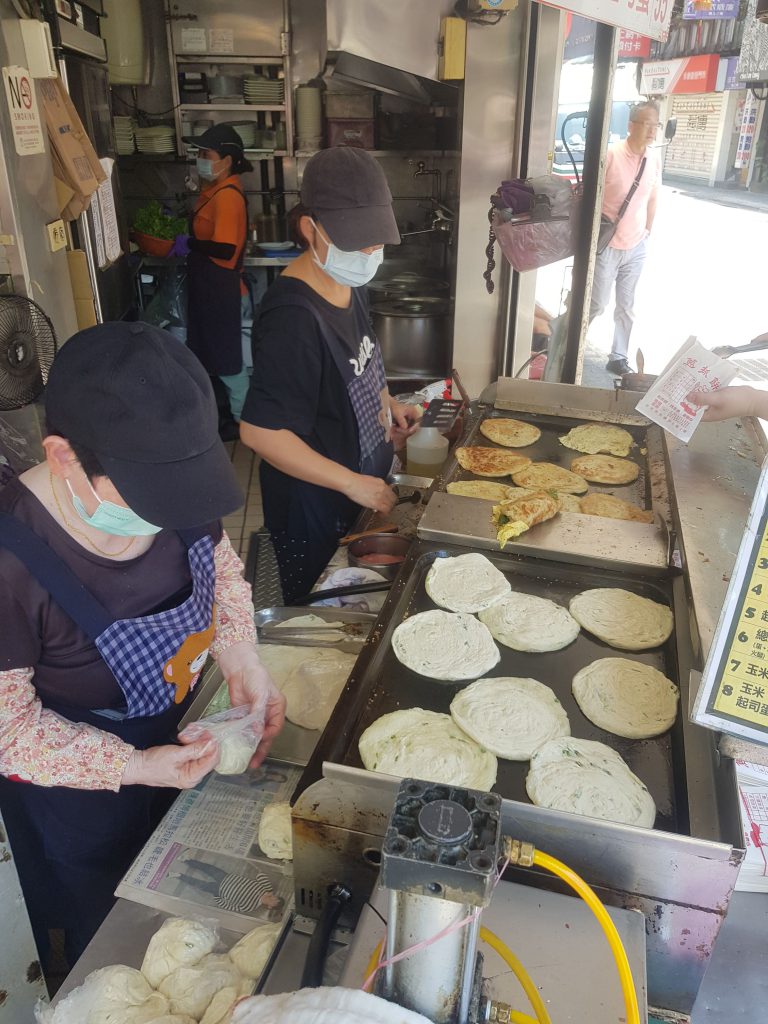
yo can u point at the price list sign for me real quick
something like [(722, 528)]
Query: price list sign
[(734, 690)]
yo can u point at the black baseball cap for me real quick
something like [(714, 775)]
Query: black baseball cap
[(222, 139), (143, 404), (346, 189)]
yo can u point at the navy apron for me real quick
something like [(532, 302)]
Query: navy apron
[(302, 559), (72, 846), (213, 306)]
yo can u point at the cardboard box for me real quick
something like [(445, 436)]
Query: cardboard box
[(82, 291), (75, 162)]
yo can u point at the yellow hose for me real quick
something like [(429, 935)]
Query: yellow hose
[(543, 860), (522, 976), (373, 962)]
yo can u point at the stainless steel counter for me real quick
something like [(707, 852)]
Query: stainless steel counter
[(250, 260)]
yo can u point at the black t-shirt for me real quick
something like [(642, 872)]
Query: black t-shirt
[(297, 386), (37, 633)]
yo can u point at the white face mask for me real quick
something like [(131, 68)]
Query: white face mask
[(207, 168), (352, 269)]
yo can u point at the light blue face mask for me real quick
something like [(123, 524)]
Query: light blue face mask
[(112, 518), (349, 268), (205, 168)]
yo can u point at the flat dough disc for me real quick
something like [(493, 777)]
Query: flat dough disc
[(594, 438), (545, 476), (512, 433), (445, 645), (610, 507), (626, 697), (622, 619), (485, 489), (606, 469), (310, 678), (510, 716), (525, 622), (490, 461), (426, 745), (466, 583), (276, 831), (585, 777)]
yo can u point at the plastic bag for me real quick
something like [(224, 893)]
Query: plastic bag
[(168, 306), (238, 733), (532, 244)]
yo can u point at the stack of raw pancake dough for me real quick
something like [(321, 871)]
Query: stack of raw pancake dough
[(543, 489), (520, 718)]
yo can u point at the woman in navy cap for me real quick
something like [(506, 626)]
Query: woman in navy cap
[(215, 249), (116, 582), (318, 410)]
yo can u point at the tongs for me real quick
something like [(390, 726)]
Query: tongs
[(758, 344), (346, 636)]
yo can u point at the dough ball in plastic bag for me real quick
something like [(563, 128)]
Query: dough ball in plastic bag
[(251, 953), (110, 988), (235, 752), (144, 1013), (275, 832), (177, 943), (191, 989), (174, 1018)]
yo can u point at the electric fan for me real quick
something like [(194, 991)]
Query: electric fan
[(27, 348)]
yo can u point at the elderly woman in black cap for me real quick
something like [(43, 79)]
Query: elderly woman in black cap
[(215, 249), (318, 410), (116, 581)]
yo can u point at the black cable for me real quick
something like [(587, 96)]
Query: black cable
[(338, 898), (146, 113), (754, 92), (380, 917)]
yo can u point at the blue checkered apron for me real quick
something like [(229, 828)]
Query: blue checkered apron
[(137, 650)]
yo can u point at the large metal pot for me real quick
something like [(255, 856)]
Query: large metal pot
[(415, 336)]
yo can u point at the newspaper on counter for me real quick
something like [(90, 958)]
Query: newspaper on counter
[(752, 782), (204, 858), (692, 368)]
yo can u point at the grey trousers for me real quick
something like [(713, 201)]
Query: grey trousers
[(622, 267)]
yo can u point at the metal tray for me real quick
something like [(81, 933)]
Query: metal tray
[(380, 684), (549, 449)]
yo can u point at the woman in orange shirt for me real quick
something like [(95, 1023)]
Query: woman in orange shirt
[(215, 249)]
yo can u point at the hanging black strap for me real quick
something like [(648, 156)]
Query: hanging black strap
[(54, 575), (633, 189)]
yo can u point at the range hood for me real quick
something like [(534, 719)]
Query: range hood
[(391, 48)]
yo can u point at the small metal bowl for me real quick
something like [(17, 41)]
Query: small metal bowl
[(379, 544)]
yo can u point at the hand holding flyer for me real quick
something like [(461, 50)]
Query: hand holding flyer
[(693, 368)]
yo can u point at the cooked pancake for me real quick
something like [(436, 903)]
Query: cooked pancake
[(544, 476), (622, 619), (568, 502), (512, 433), (490, 461), (445, 645), (585, 777), (485, 489), (426, 745), (518, 515), (609, 507), (605, 469), (466, 583), (626, 697), (525, 622), (509, 716), (594, 438)]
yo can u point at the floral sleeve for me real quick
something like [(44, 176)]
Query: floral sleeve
[(234, 619), (37, 745)]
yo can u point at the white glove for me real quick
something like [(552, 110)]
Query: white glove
[(323, 1006)]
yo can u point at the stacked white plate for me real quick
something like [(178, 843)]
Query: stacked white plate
[(157, 139), (125, 142), (265, 91), (309, 117), (247, 133)]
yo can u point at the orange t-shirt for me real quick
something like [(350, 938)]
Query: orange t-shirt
[(220, 216)]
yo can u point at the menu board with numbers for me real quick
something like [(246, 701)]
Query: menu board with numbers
[(733, 696)]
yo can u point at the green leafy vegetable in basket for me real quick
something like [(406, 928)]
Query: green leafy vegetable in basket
[(150, 220)]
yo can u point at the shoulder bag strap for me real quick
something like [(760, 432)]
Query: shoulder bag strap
[(633, 189)]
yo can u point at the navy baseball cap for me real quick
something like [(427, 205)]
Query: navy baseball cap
[(143, 404), (346, 189)]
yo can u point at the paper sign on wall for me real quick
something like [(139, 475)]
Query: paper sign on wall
[(221, 40), (28, 135), (194, 40), (109, 227)]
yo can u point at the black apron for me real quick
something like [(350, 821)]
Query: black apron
[(213, 306), (72, 846), (317, 518)]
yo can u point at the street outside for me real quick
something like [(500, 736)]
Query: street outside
[(705, 276)]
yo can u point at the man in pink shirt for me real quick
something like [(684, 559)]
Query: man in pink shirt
[(623, 259)]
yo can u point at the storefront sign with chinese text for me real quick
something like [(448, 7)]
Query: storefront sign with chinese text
[(646, 17), (680, 76), (632, 44), (710, 10)]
